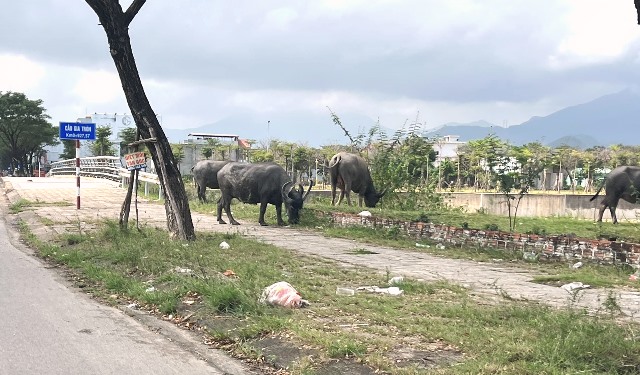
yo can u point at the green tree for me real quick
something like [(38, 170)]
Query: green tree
[(539, 158), (24, 129), (127, 136), (514, 173), (69, 150), (401, 163), (213, 144), (302, 156), (207, 152), (260, 156), (103, 146), (178, 152), (482, 156)]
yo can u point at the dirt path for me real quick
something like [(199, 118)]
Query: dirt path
[(102, 200)]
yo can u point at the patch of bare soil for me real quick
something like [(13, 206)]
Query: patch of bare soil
[(439, 356)]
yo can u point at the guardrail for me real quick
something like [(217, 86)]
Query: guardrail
[(107, 167)]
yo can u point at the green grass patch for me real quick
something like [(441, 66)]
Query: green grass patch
[(19, 205)]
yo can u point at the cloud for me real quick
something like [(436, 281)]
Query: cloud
[(98, 87), (444, 61), (18, 73)]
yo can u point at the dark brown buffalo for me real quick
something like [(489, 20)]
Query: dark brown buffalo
[(205, 175), (622, 182), (349, 173), (264, 183)]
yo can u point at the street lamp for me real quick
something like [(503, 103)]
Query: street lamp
[(268, 134)]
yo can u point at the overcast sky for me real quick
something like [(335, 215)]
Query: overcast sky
[(502, 61)]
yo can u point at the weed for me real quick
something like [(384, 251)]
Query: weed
[(492, 227), (611, 304), (423, 217), (19, 206), (346, 348), (393, 233), (537, 230)]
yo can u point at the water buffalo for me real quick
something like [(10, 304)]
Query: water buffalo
[(350, 172), (622, 182), (260, 183), (205, 175)]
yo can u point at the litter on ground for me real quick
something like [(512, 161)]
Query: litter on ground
[(282, 294)]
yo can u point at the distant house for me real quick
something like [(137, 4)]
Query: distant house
[(446, 148)]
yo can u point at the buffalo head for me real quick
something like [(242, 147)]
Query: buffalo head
[(371, 199), (294, 200)]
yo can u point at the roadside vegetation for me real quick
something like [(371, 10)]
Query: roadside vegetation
[(315, 217), (434, 327)]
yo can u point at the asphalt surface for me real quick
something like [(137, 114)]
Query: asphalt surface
[(102, 199), (49, 327)]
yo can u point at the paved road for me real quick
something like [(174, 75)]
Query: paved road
[(104, 201), (49, 328)]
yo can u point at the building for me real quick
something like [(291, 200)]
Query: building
[(446, 148), (117, 123)]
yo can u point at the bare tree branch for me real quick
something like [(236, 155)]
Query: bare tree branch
[(134, 8)]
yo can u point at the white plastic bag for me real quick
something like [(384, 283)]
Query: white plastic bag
[(282, 294)]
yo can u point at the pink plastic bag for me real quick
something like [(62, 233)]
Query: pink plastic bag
[(282, 294)]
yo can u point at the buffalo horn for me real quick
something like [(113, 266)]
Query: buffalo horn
[(285, 191)]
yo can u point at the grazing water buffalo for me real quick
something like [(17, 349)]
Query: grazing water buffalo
[(350, 172), (205, 175), (622, 182), (260, 183)]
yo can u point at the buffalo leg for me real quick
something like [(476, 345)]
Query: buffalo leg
[(612, 209), (333, 194), (219, 211), (263, 210), (227, 209), (279, 214), (347, 191), (202, 193), (601, 212), (340, 197)]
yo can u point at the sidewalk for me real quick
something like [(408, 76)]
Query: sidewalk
[(102, 199)]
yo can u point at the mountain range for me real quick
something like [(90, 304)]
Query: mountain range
[(607, 120)]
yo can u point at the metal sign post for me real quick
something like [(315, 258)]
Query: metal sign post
[(77, 131)]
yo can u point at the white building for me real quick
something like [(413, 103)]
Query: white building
[(117, 123), (446, 148)]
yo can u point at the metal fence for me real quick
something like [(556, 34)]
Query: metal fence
[(106, 167)]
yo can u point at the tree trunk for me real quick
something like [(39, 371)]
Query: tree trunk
[(116, 25)]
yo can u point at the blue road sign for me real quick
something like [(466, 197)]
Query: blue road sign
[(77, 130)]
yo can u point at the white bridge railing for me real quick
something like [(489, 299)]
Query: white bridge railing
[(107, 167)]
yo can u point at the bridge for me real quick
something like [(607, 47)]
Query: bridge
[(104, 167)]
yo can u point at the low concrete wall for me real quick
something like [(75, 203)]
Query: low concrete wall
[(542, 205), (532, 205)]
